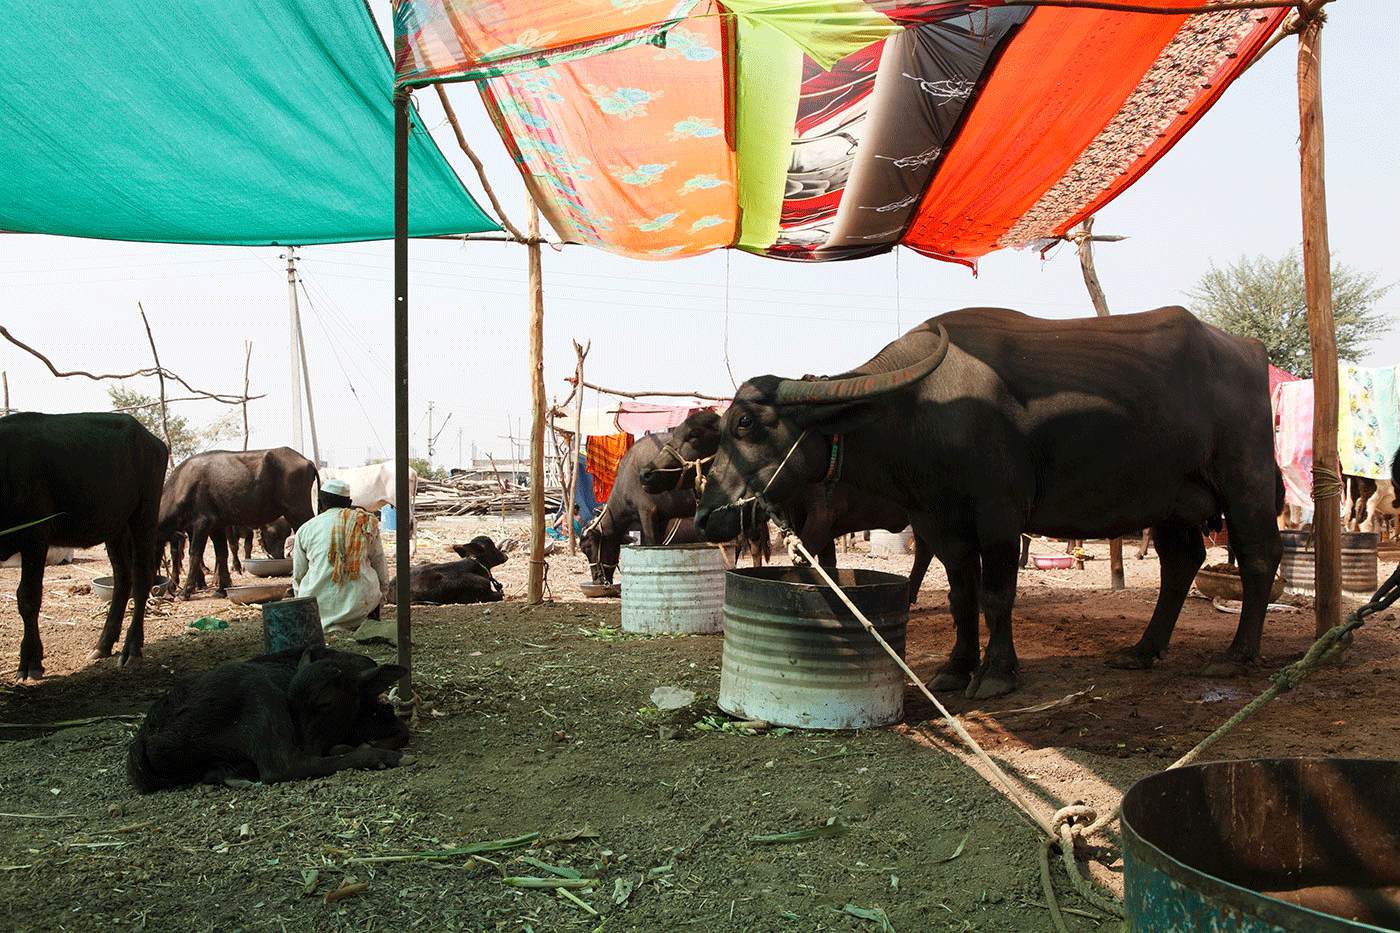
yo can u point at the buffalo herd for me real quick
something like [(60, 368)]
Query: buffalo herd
[(975, 428)]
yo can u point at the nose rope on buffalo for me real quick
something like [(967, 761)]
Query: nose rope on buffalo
[(686, 465)]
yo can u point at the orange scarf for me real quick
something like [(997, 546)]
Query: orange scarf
[(348, 539)]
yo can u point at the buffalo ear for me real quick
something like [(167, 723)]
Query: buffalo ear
[(843, 417), (379, 679)]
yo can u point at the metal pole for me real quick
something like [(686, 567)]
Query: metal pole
[(295, 346), (402, 120), (306, 381)]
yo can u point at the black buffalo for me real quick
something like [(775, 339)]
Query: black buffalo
[(467, 580), (213, 492), (273, 539), (662, 519), (825, 512), (296, 714), (81, 479), (986, 423)]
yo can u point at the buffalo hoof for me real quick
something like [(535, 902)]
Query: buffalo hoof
[(1225, 667), (30, 674), (950, 682), (130, 659), (1132, 659), (988, 686), (99, 652)]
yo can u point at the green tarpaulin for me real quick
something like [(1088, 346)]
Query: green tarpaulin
[(209, 121)]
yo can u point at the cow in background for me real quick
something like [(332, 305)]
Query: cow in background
[(77, 480), (373, 486), (221, 489), (296, 714)]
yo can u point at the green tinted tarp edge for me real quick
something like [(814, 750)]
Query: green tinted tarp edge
[(210, 121)]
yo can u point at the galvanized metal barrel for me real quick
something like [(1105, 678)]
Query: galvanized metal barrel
[(1360, 576), (891, 543), (1283, 844), (794, 655), (672, 589)]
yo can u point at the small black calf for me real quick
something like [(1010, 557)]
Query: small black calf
[(296, 714)]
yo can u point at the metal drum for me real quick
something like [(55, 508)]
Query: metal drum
[(794, 655), (1359, 562), (1285, 844), (672, 589)]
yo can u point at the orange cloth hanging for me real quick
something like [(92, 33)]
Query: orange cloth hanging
[(604, 453)]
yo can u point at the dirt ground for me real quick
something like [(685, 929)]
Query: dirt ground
[(535, 726)]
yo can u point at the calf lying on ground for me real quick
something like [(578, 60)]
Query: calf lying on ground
[(467, 580), (280, 717)]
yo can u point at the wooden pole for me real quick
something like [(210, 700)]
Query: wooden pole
[(247, 361), (1085, 238), (1317, 275), (535, 586), (403, 496), (577, 447)]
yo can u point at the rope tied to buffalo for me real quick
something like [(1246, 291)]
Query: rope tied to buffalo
[(1072, 826)]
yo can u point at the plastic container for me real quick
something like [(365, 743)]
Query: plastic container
[(292, 623)]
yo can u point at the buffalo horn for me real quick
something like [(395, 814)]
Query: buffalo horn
[(853, 388)]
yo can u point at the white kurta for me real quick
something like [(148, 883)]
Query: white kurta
[(342, 606)]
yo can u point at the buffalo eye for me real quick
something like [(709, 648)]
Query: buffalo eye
[(743, 423)]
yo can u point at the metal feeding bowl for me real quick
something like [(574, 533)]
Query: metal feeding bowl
[(1053, 561), (593, 590), (268, 566), (102, 587), (257, 593)]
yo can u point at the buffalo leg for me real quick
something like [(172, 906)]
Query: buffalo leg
[(194, 579), (28, 595), (119, 554), (145, 558), (1255, 540), (1180, 553), (923, 554), (997, 675), (234, 536), (964, 579), (220, 542)]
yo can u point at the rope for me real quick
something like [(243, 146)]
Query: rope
[(1064, 828)]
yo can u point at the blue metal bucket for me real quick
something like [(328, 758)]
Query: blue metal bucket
[(389, 518), (1305, 845)]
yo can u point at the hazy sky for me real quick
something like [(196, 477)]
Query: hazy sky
[(1228, 190)]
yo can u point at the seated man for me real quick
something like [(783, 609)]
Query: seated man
[(338, 558)]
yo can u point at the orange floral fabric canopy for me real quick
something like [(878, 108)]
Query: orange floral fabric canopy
[(828, 129)]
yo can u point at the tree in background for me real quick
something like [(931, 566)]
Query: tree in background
[(426, 470), (185, 439), (1267, 299)]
